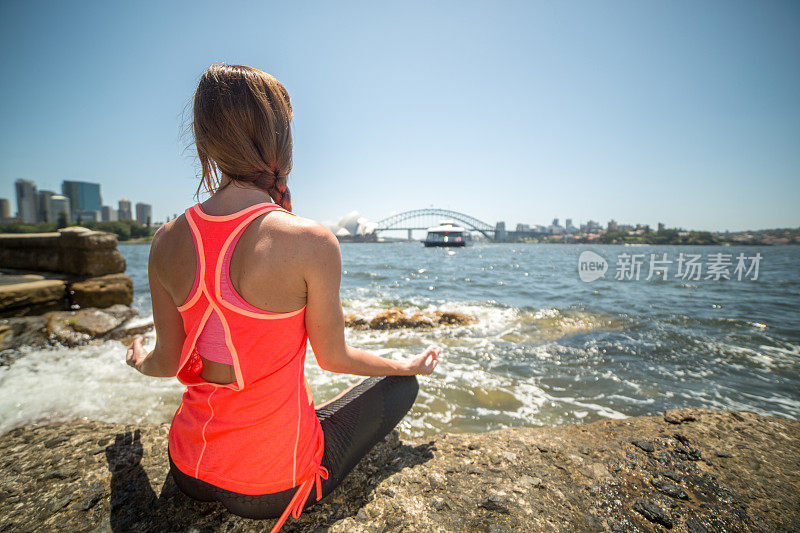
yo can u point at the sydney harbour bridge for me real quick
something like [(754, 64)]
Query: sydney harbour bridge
[(422, 219)]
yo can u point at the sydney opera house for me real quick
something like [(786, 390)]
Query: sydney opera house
[(354, 228)]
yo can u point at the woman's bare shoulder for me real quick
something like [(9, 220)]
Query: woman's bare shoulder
[(303, 233), (170, 236)]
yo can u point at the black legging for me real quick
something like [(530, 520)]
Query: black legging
[(352, 425)]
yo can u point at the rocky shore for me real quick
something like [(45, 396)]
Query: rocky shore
[(69, 328), (71, 268), (689, 470), (395, 318)]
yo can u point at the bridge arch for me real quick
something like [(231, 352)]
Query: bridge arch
[(420, 219)]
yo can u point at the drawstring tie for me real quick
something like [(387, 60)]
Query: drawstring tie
[(298, 501)]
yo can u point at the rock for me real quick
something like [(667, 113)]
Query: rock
[(653, 512), (674, 475), (102, 291), (70, 328), (453, 319), (644, 445), (25, 298), (22, 331), (678, 416), (73, 250), (356, 322), (395, 318), (97, 476), (59, 329), (121, 312), (94, 322), (494, 504), (670, 489), (600, 472)]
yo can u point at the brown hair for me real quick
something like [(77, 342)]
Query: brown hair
[(241, 127)]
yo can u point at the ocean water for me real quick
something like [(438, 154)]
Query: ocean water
[(547, 348)]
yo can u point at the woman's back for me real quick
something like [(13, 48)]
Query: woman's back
[(265, 271), (258, 433)]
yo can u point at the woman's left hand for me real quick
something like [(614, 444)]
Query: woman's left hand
[(136, 354)]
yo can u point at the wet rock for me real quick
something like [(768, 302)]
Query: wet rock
[(395, 318), (452, 318), (22, 331), (94, 322), (356, 322), (69, 328)]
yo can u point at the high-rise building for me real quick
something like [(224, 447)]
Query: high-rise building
[(87, 216), (5, 209), (109, 214), (59, 205), (84, 197), (43, 207), (124, 212), (555, 228), (27, 201), (144, 213)]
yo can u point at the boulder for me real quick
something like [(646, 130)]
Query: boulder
[(102, 291), (25, 298), (21, 331), (94, 322), (74, 250), (69, 328), (73, 328), (395, 318), (100, 476)]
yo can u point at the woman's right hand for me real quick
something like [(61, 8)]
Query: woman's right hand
[(425, 362)]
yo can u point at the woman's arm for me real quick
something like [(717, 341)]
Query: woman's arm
[(163, 360), (325, 319)]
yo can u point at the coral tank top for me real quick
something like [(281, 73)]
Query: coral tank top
[(259, 434)]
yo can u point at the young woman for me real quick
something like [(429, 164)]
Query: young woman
[(239, 284)]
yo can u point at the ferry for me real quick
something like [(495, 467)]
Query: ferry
[(446, 234)]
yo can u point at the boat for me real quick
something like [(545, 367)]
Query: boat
[(447, 233)]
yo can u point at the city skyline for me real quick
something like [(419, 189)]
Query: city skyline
[(79, 200), (141, 211), (679, 113)]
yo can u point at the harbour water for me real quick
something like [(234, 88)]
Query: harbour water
[(547, 348)]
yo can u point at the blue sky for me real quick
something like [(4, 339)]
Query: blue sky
[(681, 112)]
